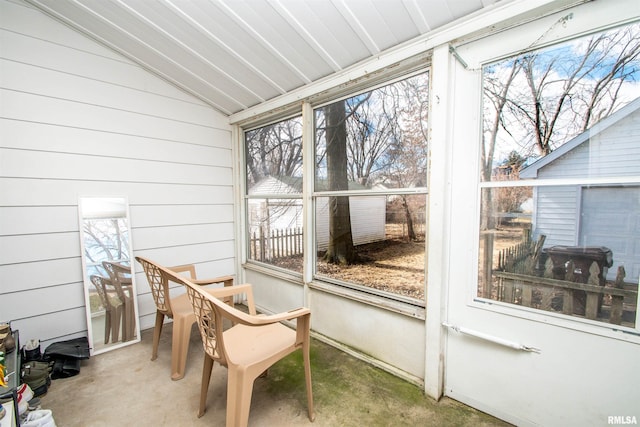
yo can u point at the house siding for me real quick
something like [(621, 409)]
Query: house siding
[(555, 214), (77, 119), (613, 152), (367, 220), (368, 213), (610, 152)]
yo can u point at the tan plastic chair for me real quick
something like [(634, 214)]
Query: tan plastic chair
[(113, 311), (120, 280), (177, 308), (247, 349)]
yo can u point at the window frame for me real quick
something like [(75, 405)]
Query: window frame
[(395, 302)]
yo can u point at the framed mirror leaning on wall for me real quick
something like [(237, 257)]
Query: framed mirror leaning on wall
[(109, 277)]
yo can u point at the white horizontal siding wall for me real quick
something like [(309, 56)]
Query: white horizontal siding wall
[(613, 152), (555, 216), (77, 119)]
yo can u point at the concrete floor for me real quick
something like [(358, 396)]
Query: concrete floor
[(124, 387)]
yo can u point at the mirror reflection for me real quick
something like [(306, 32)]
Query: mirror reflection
[(108, 275)]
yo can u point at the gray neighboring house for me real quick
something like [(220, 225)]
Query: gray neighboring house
[(599, 214), (368, 213)]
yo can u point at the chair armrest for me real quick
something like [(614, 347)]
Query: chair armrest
[(238, 316), (191, 269), (252, 319), (186, 268), (227, 280), (279, 317), (303, 322), (228, 291)]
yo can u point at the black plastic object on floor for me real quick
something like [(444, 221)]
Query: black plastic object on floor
[(66, 356)]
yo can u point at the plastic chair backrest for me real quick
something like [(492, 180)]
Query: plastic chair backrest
[(159, 284), (115, 275), (99, 284)]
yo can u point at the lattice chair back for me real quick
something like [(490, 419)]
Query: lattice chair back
[(99, 285), (115, 281), (209, 323), (159, 284)]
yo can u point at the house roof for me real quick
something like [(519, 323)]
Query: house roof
[(531, 171), (237, 54)]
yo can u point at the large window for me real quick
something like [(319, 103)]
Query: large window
[(560, 179), (369, 192), (370, 189)]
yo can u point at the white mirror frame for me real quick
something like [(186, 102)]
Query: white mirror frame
[(112, 207)]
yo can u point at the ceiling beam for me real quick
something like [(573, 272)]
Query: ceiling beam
[(214, 39), (300, 29), (241, 22)]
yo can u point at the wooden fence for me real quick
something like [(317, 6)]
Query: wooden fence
[(520, 279), (604, 303), (515, 257), (276, 244)]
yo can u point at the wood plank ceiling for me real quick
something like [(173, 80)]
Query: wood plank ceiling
[(235, 54)]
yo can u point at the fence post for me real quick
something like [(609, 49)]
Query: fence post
[(616, 301), (488, 265)]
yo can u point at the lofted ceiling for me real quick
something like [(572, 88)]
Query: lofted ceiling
[(235, 54)]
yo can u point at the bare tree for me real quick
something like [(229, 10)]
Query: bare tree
[(105, 239), (565, 90), (408, 154), (340, 249), (274, 150), (370, 129), (542, 99)]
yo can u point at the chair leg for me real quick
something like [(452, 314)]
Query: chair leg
[(134, 321), (125, 321), (129, 321), (307, 377), (180, 346), (204, 388), (115, 324), (239, 392), (107, 325), (157, 330)]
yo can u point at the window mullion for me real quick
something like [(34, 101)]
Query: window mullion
[(308, 168)]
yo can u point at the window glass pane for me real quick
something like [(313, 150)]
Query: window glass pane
[(565, 120), (274, 158), (274, 167), (388, 242), (377, 139), (275, 232), (539, 101), (373, 141)]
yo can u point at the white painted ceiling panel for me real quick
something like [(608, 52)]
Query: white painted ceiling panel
[(235, 54)]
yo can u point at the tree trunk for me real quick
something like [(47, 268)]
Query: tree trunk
[(340, 249), (411, 233)]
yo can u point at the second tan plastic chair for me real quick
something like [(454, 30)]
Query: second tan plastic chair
[(177, 308), (112, 308), (120, 281), (248, 348)]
